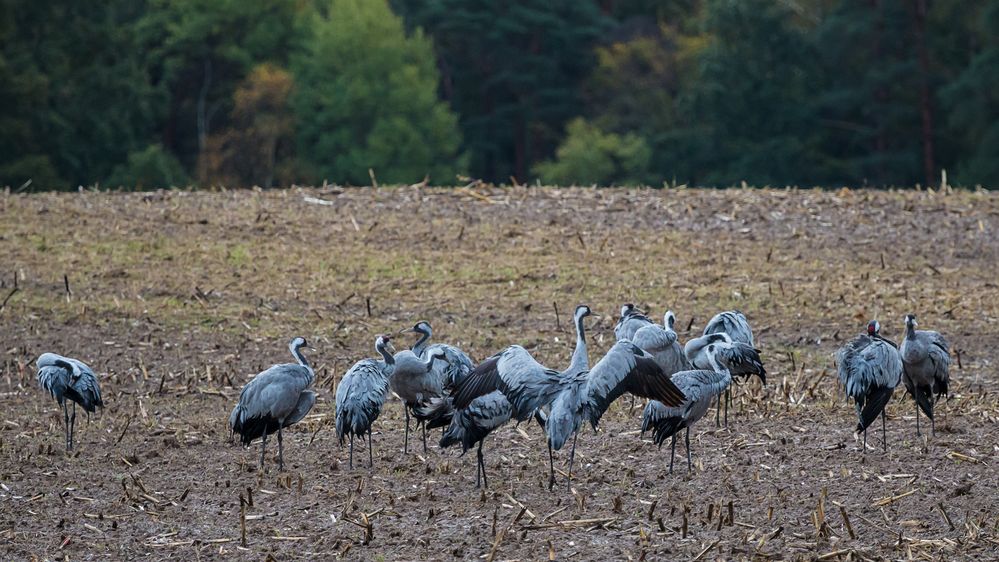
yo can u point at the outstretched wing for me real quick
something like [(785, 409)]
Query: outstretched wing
[(527, 384), (733, 323), (626, 368)]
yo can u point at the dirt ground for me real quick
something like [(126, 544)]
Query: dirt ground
[(177, 299)]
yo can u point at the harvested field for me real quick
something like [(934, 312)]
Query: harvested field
[(178, 298)]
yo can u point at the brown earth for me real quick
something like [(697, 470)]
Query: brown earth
[(177, 299)]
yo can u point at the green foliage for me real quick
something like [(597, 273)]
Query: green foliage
[(366, 98), (73, 88), (591, 156), (512, 70), (973, 100), (149, 168), (200, 50)]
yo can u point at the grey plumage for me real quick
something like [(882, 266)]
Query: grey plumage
[(449, 370), (733, 323), (415, 381), (743, 358), (275, 399), (455, 365), (662, 343), (869, 368), (525, 383), (585, 396), (699, 387), (925, 368), (360, 396), (473, 424), (631, 321), (68, 379)]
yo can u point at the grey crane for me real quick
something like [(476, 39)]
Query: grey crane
[(870, 368), (699, 386), (586, 395), (925, 368), (526, 384), (415, 381), (470, 425), (730, 326), (360, 396), (69, 379), (449, 370), (455, 365), (631, 321), (275, 399)]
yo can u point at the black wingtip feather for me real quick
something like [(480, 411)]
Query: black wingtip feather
[(481, 381), (877, 399)]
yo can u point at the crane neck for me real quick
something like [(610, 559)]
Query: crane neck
[(386, 356), (421, 344), (580, 360), (297, 353), (910, 330)]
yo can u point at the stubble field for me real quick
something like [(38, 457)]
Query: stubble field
[(178, 298)]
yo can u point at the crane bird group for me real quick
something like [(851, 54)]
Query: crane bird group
[(573, 396), (699, 387), (360, 396), (273, 400), (68, 379), (925, 368), (870, 368)]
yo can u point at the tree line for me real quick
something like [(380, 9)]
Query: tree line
[(153, 93)]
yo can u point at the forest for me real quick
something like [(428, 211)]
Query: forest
[(139, 94)]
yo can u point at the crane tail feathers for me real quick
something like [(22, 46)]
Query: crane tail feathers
[(877, 399)]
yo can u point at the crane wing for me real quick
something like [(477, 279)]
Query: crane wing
[(743, 359), (653, 338), (733, 323), (626, 368), (627, 326), (527, 384)]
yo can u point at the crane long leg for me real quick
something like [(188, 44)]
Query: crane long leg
[(263, 447), (915, 398), (405, 443), (352, 450), (672, 452), (65, 415), (371, 458), (551, 467), (72, 426), (933, 423), (424, 425), (865, 441), (728, 402), (572, 456), (884, 429), (718, 401), (478, 466), (280, 448), (687, 442), (482, 463)]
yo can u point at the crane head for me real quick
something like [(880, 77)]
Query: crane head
[(669, 319), (873, 328), (910, 321), (626, 309), (582, 311)]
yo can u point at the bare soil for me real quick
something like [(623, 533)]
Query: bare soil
[(177, 299)]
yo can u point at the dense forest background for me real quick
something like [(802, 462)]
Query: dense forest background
[(150, 93)]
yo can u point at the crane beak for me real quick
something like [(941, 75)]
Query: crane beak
[(595, 315), (405, 331)]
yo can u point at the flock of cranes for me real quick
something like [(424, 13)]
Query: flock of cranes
[(441, 387)]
